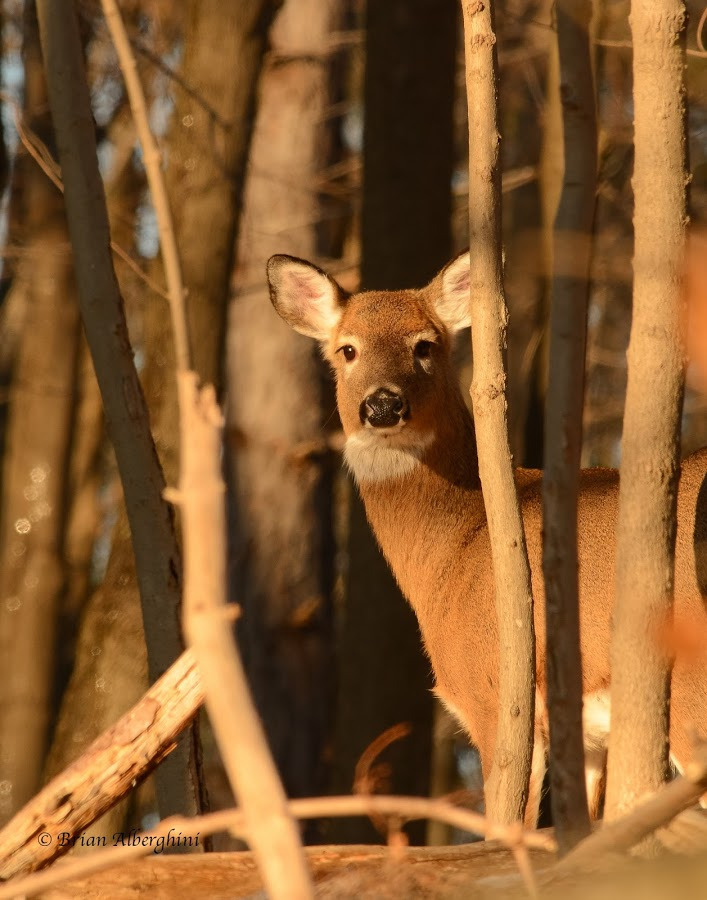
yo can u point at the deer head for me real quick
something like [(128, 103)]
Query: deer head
[(390, 354)]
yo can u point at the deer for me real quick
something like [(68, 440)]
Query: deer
[(410, 446)]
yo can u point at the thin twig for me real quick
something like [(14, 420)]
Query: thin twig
[(628, 45), (155, 179), (369, 777), (653, 813), (233, 820), (160, 64), (519, 849), (700, 26), (39, 152)]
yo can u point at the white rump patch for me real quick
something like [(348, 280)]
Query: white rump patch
[(373, 457), (596, 718)]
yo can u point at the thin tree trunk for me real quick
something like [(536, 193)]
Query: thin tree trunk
[(506, 789), (640, 672), (563, 434), (282, 476), (38, 444), (384, 677), (151, 522), (102, 681)]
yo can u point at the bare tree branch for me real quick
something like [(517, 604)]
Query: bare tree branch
[(506, 789), (646, 817), (152, 159), (107, 771), (272, 832)]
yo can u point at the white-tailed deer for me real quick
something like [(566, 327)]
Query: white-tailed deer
[(410, 445)]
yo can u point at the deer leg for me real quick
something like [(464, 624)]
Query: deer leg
[(538, 767)]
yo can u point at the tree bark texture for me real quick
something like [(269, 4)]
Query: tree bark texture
[(640, 672), (151, 522), (506, 789), (384, 677), (42, 399), (281, 470), (108, 770), (563, 422)]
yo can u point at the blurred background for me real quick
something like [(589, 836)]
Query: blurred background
[(334, 130)]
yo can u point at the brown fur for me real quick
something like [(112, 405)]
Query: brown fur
[(431, 524)]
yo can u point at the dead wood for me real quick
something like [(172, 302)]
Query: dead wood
[(109, 769)]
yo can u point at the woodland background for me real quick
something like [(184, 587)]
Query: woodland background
[(328, 129)]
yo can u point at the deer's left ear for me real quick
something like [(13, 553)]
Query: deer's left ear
[(450, 294)]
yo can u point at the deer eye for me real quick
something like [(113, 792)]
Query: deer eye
[(423, 349), (348, 351)]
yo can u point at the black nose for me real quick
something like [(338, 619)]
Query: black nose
[(383, 408)]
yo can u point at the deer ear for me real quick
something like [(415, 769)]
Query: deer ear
[(304, 296), (451, 294)]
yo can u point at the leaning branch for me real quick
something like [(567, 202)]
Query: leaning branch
[(507, 787), (563, 422), (104, 773), (653, 813)]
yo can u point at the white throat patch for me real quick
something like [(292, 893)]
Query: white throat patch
[(370, 457)]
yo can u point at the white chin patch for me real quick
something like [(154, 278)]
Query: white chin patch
[(373, 456)]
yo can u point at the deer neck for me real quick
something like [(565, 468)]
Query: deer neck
[(424, 507)]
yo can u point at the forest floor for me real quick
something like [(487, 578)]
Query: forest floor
[(470, 871)]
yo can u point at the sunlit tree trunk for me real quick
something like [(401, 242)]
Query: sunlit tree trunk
[(506, 787), (640, 671)]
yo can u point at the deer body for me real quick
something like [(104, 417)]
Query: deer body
[(410, 445)]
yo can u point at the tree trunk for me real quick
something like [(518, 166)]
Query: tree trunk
[(384, 677), (151, 522), (282, 471), (506, 789), (38, 445), (640, 671), (563, 435)]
